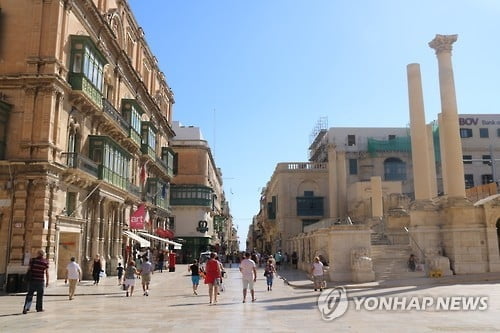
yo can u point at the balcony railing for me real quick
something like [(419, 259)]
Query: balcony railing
[(134, 190), (110, 110), (79, 82), (147, 150), (78, 161), (164, 166), (302, 166), (112, 177)]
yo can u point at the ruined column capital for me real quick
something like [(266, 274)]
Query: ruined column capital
[(443, 43)]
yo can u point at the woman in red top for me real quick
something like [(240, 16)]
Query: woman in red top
[(212, 277)]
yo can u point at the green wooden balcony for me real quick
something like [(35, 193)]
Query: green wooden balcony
[(79, 82)]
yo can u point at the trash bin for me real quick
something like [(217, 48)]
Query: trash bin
[(12, 283)]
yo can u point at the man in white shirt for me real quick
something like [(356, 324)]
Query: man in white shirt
[(249, 276), (73, 274)]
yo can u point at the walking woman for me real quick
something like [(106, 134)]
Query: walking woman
[(212, 277), (97, 269), (269, 271), (130, 274)]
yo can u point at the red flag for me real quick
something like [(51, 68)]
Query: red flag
[(137, 218), (143, 174)]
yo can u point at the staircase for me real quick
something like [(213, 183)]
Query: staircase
[(390, 262)]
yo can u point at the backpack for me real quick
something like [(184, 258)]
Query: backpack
[(268, 271)]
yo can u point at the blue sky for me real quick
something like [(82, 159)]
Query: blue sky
[(256, 76)]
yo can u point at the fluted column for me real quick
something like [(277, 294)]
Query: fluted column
[(332, 181), (451, 138), (419, 151), (432, 160)]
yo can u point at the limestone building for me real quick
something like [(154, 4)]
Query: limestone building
[(369, 192), (85, 123), (199, 207)]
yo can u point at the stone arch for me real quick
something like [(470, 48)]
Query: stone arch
[(307, 185), (116, 24)]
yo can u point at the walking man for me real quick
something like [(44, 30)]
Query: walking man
[(249, 276), (146, 272), (73, 274), (39, 267)]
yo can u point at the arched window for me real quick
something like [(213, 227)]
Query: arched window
[(394, 169)]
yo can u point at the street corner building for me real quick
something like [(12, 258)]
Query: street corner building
[(85, 124)]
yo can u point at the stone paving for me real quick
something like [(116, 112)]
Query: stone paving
[(292, 306)]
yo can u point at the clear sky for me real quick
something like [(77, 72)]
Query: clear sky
[(257, 75)]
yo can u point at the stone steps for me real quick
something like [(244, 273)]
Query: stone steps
[(391, 262)]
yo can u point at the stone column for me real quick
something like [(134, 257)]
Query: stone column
[(377, 202), (341, 184), (420, 158), (453, 155), (442, 148), (432, 160), (332, 181)]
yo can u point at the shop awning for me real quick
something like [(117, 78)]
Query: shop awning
[(142, 241), (177, 246)]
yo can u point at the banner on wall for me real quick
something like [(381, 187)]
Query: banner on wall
[(137, 218)]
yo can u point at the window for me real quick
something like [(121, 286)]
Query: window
[(486, 179), (394, 169), (467, 159), (469, 180), (487, 159), (309, 193), (70, 203), (392, 136), (498, 132), (351, 140), (466, 133), (353, 166), (483, 133)]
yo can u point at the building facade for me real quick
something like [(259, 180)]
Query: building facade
[(199, 206), (303, 193), (85, 126)]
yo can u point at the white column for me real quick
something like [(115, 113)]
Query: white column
[(419, 147), (432, 160), (453, 155)]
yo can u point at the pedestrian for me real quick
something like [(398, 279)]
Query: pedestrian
[(97, 269), (161, 259), (146, 271), (119, 271), (138, 262), (317, 274), (294, 259), (412, 263), (130, 273), (249, 276), (39, 267), (212, 277), (278, 257), (73, 275), (195, 275), (269, 271)]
